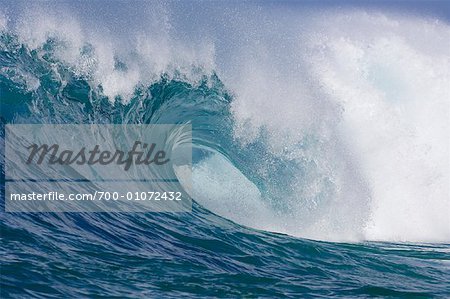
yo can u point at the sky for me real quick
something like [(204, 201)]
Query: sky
[(438, 8)]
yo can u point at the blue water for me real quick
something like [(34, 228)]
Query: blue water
[(216, 250)]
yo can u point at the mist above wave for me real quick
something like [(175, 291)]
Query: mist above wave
[(349, 108)]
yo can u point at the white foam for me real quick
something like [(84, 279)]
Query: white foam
[(376, 89), (146, 54), (393, 83), (370, 89), (3, 21)]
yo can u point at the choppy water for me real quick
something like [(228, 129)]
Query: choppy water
[(321, 155)]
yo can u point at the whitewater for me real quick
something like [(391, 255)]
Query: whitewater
[(317, 130)]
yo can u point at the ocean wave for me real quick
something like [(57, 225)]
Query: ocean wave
[(336, 136)]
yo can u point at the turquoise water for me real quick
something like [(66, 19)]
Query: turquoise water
[(256, 222)]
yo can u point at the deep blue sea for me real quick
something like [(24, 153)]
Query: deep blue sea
[(320, 148)]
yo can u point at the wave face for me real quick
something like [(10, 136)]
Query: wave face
[(319, 125)]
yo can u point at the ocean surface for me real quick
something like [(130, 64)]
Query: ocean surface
[(321, 148)]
